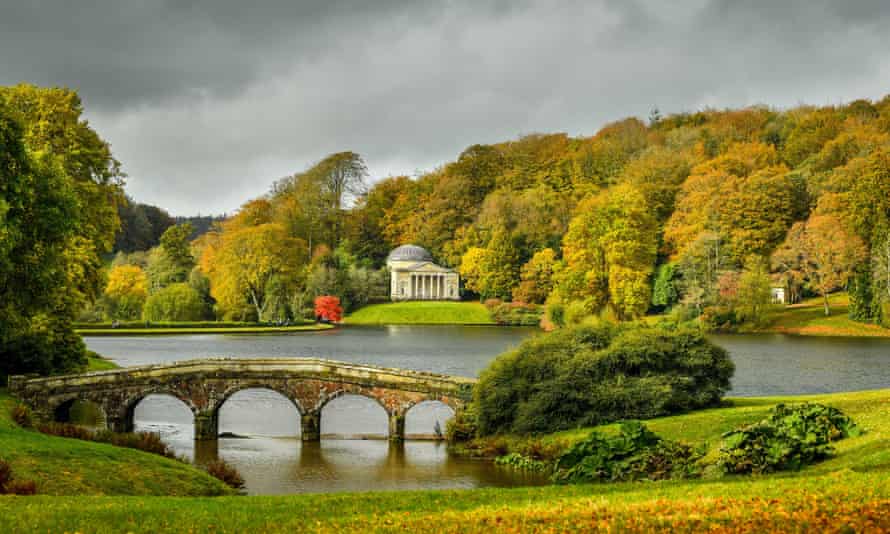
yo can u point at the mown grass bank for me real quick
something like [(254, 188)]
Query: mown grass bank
[(63, 466), (842, 501), (422, 313), (870, 409), (162, 331), (850, 492), (808, 319)]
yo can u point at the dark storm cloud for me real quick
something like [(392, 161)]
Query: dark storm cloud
[(206, 102)]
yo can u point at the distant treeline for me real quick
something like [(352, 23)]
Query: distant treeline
[(142, 225)]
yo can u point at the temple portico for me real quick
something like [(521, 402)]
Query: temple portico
[(414, 276)]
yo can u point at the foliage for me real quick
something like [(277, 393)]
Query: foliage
[(327, 308), (518, 461), (463, 426), (790, 438), (141, 226), (824, 251), (226, 473), (21, 415), (636, 453), (175, 303), (514, 313), (536, 278), (126, 292), (58, 188), (11, 486), (664, 290), (609, 253), (599, 373)]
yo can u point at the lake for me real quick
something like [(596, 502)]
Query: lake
[(274, 460)]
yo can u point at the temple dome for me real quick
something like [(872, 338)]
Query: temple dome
[(409, 253)]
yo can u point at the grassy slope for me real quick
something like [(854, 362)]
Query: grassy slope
[(63, 466), (808, 318), (418, 312), (174, 331), (98, 363), (851, 489)]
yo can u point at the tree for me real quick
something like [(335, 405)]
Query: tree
[(664, 290), (127, 290), (491, 271), (537, 277), (171, 261), (327, 308), (609, 253), (754, 290), (176, 302), (244, 266), (826, 253), (48, 267)]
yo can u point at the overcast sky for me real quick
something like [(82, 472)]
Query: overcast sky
[(206, 102)]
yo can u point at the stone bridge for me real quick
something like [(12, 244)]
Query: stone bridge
[(204, 385)]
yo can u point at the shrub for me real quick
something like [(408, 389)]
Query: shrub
[(600, 373), (22, 416), (636, 453), (518, 461), (176, 302), (11, 486), (229, 475), (462, 427), (144, 441), (514, 313), (790, 438)]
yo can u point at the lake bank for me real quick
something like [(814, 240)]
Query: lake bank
[(851, 489), (421, 313), (173, 330), (63, 466)]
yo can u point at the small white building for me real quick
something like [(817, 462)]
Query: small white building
[(778, 294), (414, 276)]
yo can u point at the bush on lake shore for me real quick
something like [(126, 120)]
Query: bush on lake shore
[(595, 374)]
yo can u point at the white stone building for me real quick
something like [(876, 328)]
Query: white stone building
[(414, 276)]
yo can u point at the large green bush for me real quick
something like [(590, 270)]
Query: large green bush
[(636, 453), (594, 374), (790, 438), (176, 302)]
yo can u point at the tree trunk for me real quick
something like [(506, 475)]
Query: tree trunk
[(825, 300)]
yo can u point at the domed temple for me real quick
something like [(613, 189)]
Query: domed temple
[(414, 276)]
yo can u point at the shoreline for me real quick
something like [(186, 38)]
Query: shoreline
[(171, 331)]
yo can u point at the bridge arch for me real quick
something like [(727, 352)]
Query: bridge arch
[(281, 394), (125, 419), (342, 395), (62, 412), (417, 419)]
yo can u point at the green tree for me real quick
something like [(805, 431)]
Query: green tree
[(176, 302), (754, 291), (537, 277)]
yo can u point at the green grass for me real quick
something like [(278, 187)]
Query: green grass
[(422, 312), (850, 491), (98, 363), (62, 466), (179, 330), (808, 318)]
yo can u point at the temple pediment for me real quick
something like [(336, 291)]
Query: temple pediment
[(425, 267)]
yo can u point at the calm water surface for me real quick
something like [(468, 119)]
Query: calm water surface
[(274, 460)]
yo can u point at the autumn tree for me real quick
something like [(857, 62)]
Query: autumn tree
[(127, 290), (826, 253), (327, 308), (609, 253), (537, 277)]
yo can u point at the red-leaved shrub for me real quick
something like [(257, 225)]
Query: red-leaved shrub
[(225, 472)]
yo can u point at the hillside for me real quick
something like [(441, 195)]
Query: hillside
[(62, 466)]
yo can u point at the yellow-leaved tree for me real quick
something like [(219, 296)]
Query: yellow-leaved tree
[(126, 291)]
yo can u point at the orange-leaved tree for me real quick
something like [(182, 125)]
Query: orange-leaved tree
[(327, 308)]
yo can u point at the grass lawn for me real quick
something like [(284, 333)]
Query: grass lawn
[(98, 363), (850, 492), (188, 330), (421, 312), (62, 466), (808, 318)]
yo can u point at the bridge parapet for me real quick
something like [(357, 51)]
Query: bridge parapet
[(204, 385)]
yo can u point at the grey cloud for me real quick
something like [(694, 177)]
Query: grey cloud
[(207, 102)]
